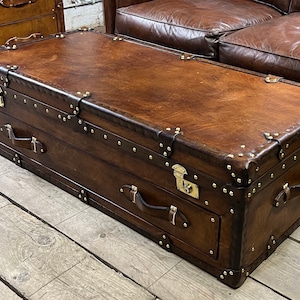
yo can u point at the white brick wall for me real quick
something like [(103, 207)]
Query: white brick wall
[(80, 13)]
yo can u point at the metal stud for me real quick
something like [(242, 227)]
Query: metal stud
[(105, 136), (232, 211), (133, 149), (214, 185), (195, 177), (206, 202), (295, 157), (119, 143), (15, 96), (259, 185), (92, 131), (150, 157), (161, 145), (168, 246), (35, 105), (224, 190), (169, 148), (167, 164), (47, 110), (229, 167), (231, 193), (211, 252), (272, 175), (239, 180), (212, 220), (283, 166)]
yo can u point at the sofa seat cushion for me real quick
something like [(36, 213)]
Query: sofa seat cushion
[(192, 26), (272, 47)]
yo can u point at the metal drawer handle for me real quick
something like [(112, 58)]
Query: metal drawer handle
[(30, 143), (172, 214), (287, 193)]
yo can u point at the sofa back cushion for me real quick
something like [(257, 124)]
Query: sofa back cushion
[(294, 6), (282, 5)]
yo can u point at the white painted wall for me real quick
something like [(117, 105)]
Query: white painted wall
[(83, 13)]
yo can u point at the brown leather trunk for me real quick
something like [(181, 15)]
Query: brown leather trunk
[(22, 18), (199, 157)]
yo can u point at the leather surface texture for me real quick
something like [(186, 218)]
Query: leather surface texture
[(190, 25), (272, 47)]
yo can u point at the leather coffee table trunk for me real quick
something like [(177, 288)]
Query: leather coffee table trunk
[(201, 158)]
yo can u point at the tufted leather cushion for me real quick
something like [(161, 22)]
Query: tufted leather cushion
[(271, 47), (294, 6), (282, 5), (190, 25)]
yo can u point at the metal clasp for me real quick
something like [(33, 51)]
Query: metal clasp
[(172, 214), (183, 185), (1, 97)]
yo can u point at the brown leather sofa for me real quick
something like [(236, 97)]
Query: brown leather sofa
[(263, 36)]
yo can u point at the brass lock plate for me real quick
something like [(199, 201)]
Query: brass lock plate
[(185, 186)]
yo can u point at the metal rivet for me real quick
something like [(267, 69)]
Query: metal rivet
[(257, 169), (212, 220), (239, 180), (71, 106), (169, 148), (252, 249), (47, 110), (195, 177), (283, 166), (59, 116), (64, 119), (211, 252), (224, 190), (69, 117), (121, 190), (80, 122), (167, 164), (231, 193), (254, 190), (35, 105), (24, 101), (214, 185), (85, 128), (229, 167), (119, 143), (287, 146), (134, 149), (105, 136), (225, 273), (185, 225), (150, 157), (161, 145), (206, 202), (164, 236), (269, 247), (222, 276), (92, 131), (231, 273), (168, 246), (272, 175), (249, 195), (160, 242), (165, 153), (243, 270), (295, 157), (233, 175), (240, 154), (15, 96), (232, 211), (249, 180), (259, 185)]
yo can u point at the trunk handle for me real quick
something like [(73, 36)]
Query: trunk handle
[(30, 143), (171, 213), (287, 193)]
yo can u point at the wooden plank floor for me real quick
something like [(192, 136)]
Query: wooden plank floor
[(52, 246)]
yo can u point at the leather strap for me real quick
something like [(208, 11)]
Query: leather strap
[(13, 3), (171, 214), (287, 194), (30, 143)]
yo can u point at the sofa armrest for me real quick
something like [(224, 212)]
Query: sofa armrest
[(110, 7)]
